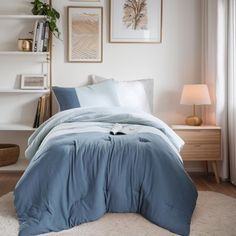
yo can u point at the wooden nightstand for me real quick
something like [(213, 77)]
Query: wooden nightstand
[(202, 143)]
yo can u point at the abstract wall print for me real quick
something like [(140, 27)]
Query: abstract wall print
[(85, 34), (135, 21)]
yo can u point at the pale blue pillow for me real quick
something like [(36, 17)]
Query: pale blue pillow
[(97, 95)]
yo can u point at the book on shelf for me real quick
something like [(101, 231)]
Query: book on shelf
[(42, 111), (34, 45), (41, 36), (36, 118), (47, 108), (46, 37)]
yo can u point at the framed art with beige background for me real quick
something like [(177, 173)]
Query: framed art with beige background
[(135, 21), (85, 34)]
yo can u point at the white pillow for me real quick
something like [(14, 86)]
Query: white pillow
[(132, 94)]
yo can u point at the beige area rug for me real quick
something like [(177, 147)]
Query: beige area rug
[(215, 215)]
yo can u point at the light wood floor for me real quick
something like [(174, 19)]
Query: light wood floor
[(202, 181), (208, 183)]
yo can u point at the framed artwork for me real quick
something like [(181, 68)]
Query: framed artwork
[(85, 34), (33, 81), (136, 21)]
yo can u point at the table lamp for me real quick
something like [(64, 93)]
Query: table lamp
[(195, 94)]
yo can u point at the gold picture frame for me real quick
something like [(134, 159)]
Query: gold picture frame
[(124, 28), (85, 34)]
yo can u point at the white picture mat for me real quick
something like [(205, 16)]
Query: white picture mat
[(119, 32)]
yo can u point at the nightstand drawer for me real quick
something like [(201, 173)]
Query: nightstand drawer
[(198, 152), (200, 136)]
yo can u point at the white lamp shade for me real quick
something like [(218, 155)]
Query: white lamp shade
[(195, 94)]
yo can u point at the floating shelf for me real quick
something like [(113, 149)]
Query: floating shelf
[(26, 17), (20, 165), (23, 53), (40, 91), (15, 127)]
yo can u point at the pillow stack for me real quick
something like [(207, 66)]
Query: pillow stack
[(104, 92)]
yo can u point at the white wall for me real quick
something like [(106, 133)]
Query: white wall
[(174, 62)]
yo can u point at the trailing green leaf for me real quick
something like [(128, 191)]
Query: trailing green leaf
[(52, 15)]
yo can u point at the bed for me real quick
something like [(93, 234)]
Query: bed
[(82, 167)]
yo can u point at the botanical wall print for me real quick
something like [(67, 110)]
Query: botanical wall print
[(137, 21), (85, 34), (135, 14)]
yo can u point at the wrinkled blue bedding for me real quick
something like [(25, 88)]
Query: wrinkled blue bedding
[(78, 177)]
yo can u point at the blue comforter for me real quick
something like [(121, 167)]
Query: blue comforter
[(76, 177)]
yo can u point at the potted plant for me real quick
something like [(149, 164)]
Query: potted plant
[(41, 8)]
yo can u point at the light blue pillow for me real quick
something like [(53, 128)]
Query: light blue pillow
[(97, 95)]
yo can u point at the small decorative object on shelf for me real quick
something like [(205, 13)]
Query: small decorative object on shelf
[(9, 154), (24, 45), (33, 82)]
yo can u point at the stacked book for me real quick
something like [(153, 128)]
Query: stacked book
[(41, 36), (43, 110)]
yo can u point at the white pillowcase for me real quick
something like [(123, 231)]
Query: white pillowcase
[(131, 94)]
